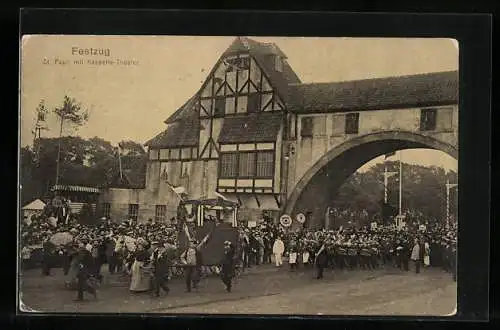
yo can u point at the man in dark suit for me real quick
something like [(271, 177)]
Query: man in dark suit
[(227, 265), (161, 265), (85, 264), (111, 256), (321, 261)]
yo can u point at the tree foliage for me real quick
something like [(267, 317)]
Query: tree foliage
[(72, 112), (424, 189), (88, 162)]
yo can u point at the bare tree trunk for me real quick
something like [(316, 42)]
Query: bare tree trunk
[(59, 151)]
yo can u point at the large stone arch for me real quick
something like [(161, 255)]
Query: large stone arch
[(316, 187)]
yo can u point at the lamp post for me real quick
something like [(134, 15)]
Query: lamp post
[(448, 187)]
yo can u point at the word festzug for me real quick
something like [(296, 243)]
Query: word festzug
[(90, 51)]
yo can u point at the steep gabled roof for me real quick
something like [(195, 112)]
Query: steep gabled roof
[(381, 93), (182, 133), (263, 53), (178, 114)]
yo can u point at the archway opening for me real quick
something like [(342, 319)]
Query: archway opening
[(326, 185)]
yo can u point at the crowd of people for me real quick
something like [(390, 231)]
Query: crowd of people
[(147, 251)]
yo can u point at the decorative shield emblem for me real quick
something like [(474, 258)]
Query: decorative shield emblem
[(285, 220), (301, 218)]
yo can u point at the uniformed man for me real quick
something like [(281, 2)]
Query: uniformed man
[(341, 255), (352, 253), (227, 265), (321, 260), (365, 256)]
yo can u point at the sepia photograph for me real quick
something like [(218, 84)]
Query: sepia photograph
[(238, 175)]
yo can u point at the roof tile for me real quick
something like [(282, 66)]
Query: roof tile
[(254, 128), (179, 134), (380, 93)]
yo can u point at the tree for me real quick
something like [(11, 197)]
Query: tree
[(70, 112), (133, 156), (88, 162), (423, 190), (29, 185)]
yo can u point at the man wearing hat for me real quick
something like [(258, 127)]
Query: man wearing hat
[(191, 258), (160, 264), (84, 273), (227, 265)]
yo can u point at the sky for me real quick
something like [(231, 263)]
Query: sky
[(130, 99)]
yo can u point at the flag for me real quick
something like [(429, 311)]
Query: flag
[(120, 148), (178, 190), (389, 154), (221, 196), (186, 231)]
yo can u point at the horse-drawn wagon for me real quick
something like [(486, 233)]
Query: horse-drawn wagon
[(210, 223)]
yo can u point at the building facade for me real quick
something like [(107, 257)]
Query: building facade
[(253, 132)]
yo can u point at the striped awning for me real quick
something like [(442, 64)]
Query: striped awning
[(60, 187)]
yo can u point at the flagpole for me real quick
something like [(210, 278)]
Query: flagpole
[(385, 183), (120, 161), (447, 203), (400, 185)]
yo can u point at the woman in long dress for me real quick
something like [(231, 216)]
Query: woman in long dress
[(140, 279)]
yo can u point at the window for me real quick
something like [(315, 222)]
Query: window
[(338, 127), (164, 171), (106, 210), (242, 104), (133, 211), (246, 165), (228, 165), (319, 124), (220, 107), (186, 153), (205, 168), (230, 106), (160, 213), (153, 154), (445, 119), (352, 123), (278, 63), (265, 164), (186, 169), (306, 127), (253, 102), (164, 153), (428, 119), (237, 64), (253, 164), (174, 154)]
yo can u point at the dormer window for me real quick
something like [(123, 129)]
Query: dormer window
[(278, 63)]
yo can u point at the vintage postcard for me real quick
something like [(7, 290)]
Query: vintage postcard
[(238, 175)]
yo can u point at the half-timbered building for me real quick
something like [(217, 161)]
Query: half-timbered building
[(249, 132)]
